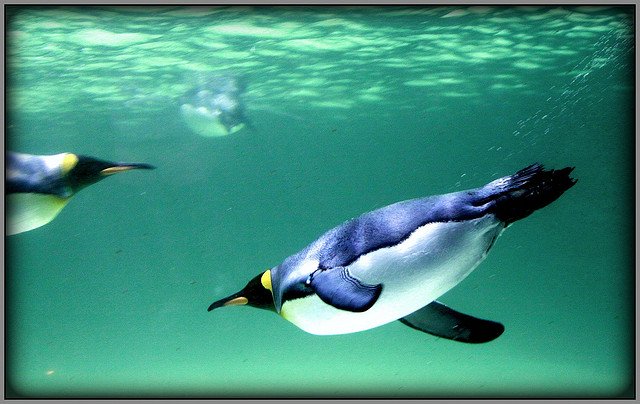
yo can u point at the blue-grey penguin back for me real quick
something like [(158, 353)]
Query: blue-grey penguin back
[(509, 198), (517, 196), (26, 173)]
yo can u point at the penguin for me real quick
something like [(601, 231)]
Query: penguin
[(215, 108), (38, 187), (393, 263)]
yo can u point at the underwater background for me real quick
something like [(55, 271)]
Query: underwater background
[(350, 109)]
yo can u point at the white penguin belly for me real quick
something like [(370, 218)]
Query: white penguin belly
[(432, 260), (29, 211), (202, 121)]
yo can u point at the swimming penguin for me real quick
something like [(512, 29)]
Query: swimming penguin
[(38, 187), (393, 263), (215, 108)]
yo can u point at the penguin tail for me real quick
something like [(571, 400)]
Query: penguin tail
[(517, 196)]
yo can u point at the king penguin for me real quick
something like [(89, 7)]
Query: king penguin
[(393, 263), (215, 108), (38, 187)]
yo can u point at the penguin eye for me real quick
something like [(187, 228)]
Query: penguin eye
[(307, 282)]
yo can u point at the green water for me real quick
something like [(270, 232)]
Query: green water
[(352, 109)]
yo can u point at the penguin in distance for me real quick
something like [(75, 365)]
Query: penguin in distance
[(215, 107), (394, 262), (37, 187)]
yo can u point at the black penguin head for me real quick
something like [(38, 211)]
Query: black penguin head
[(80, 171), (257, 293)]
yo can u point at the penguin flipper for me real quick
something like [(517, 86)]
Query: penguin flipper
[(339, 289), (442, 321)]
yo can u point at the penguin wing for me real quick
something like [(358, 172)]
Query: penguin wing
[(339, 289), (442, 321)]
